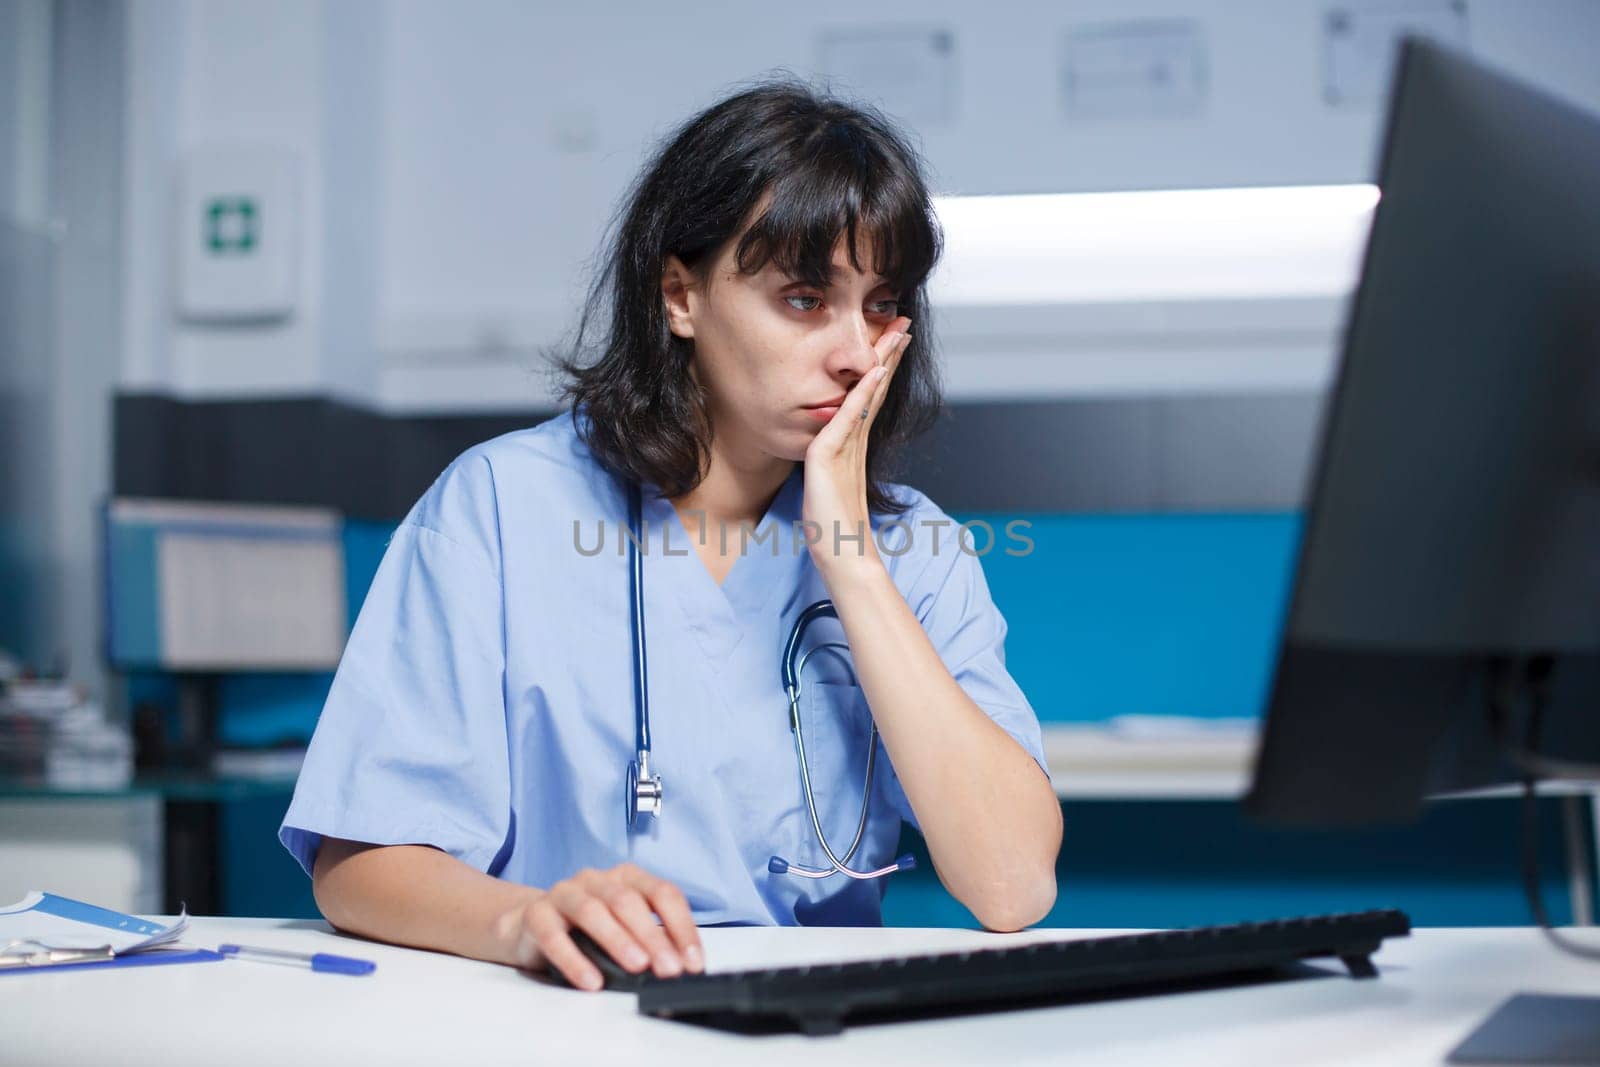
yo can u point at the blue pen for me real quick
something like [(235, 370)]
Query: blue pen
[(322, 961)]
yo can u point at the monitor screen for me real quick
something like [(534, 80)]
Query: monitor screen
[(1447, 594)]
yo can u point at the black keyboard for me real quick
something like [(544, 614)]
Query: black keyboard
[(818, 999)]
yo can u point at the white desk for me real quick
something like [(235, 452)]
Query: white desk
[(421, 1007)]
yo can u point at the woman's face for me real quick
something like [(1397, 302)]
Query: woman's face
[(773, 352)]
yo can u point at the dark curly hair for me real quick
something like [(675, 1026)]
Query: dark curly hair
[(832, 169)]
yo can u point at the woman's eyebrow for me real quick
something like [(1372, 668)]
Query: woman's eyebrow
[(831, 280)]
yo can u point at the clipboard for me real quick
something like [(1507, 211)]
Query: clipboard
[(148, 958), (44, 931)]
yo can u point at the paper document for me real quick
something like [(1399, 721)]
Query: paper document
[(41, 921), (275, 602), (1182, 727)]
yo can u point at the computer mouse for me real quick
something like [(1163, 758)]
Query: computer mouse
[(612, 973)]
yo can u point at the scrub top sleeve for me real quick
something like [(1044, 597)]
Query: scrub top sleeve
[(951, 599), (411, 745)]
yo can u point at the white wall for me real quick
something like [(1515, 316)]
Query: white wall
[(462, 160), (154, 79), (61, 329), (24, 110), (207, 73), (86, 151), (60, 324)]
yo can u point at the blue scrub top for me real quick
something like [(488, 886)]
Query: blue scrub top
[(484, 704)]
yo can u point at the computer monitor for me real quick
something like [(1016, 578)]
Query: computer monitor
[(1447, 599)]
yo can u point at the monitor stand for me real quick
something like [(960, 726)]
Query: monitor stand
[(1536, 1029)]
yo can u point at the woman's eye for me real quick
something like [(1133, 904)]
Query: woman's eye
[(812, 303)]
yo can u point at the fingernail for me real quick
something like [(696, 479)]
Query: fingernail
[(696, 961), (670, 965), (591, 981), (636, 957)]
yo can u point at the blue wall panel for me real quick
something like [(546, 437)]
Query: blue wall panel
[(133, 627), (1144, 614), (269, 709)]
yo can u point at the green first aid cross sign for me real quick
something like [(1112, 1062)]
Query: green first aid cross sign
[(233, 225), (239, 239)]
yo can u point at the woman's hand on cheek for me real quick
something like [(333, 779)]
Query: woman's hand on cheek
[(836, 466)]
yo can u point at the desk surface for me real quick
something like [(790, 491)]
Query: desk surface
[(422, 1007)]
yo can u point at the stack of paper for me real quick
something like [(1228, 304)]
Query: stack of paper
[(1154, 743), (43, 929)]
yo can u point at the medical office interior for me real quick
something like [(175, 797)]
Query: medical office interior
[(265, 268)]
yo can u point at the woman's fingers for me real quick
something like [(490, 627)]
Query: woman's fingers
[(618, 909), (836, 434), (550, 930), (890, 365), (628, 905), (669, 903), (890, 337), (857, 406), (581, 907), (875, 386)]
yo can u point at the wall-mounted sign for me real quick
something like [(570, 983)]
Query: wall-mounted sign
[(1360, 44), (908, 71), (238, 234), (1146, 68)]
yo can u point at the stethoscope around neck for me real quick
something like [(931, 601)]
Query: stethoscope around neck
[(644, 789)]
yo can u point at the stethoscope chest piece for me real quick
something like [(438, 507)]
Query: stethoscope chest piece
[(644, 790)]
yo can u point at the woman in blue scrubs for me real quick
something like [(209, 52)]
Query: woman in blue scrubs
[(751, 359)]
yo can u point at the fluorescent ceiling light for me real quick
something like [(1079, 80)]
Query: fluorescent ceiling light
[(1192, 244)]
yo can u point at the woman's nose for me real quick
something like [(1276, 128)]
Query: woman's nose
[(853, 352)]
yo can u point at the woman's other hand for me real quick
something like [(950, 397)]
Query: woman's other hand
[(835, 499), (616, 907)]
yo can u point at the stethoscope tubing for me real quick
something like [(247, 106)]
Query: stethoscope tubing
[(644, 793), (641, 691)]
